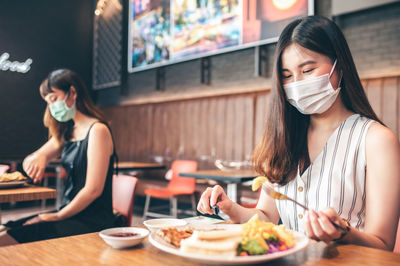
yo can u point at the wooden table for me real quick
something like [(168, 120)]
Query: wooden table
[(126, 166), (89, 249), (231, 178), (131, 166), (26, 193)]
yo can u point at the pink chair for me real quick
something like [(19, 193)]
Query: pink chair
[(252, 205), (177, 186), (123, 193), (4, 168), (397, 243)]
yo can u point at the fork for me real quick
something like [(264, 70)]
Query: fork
[(279, 196)]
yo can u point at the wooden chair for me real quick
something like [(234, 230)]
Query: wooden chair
[(177, 186), (123, 193)]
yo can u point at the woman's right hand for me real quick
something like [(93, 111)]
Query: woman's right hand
[(214, 196), (34, 166)]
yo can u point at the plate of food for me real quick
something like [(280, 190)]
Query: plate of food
[(253, 242), (14, 179)]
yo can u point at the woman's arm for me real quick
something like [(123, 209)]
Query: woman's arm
[(266, 207), (266, 210), (100, 148), (382, 197), (35, 164), (382, 190)]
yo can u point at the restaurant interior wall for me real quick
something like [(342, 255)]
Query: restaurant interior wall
[(141, 115), (374, 39), (373, 32), (53, 34)]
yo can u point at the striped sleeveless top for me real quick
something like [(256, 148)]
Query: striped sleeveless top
[(335, 179)]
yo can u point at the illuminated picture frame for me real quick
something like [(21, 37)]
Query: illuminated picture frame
[(164, 32)]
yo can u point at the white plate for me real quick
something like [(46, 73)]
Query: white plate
[(301, 243), (11, 184), (155, 224)]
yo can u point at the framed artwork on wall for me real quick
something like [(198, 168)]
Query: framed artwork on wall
[(163, 32)]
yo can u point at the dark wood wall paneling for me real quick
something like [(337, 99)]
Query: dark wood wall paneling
[(384, 97), (228, 126)]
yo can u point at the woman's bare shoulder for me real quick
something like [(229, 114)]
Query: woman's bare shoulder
[(100, 130), (381, 138)]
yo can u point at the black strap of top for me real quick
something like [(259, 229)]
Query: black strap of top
[(114, 149)]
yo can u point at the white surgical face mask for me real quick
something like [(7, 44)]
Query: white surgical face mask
[(312, 95)]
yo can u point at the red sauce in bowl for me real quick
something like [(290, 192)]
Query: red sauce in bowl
[(122, 234)]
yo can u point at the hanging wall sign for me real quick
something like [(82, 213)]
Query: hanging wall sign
[(14, 66)]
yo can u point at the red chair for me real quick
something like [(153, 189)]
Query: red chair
[(252, 204), (177, 186), (4, 168), (123, 193)]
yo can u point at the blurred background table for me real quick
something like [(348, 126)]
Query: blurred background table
[(132, 166), (26, 193), (232, 178)]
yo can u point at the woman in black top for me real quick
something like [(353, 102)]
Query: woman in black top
[(80, 134)]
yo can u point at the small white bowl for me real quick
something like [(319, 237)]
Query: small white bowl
[(154, 224), (123, 241)]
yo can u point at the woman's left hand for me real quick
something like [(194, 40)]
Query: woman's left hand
[(318, 226), (43, 217)]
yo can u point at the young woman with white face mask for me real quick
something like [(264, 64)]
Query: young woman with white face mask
[(323, 146), (81, 136)]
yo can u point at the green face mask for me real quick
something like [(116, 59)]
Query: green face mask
[(61, 112)]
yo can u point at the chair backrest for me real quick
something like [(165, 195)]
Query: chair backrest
[(4, 168), (252, 205), (123, 193), (397, 243), (182, 184)]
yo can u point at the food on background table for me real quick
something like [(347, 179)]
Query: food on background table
[(259, 237), (174, 236), (257, 182), (14, 176)]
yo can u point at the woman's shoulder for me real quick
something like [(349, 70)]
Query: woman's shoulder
[(99, 130), (381, 138)]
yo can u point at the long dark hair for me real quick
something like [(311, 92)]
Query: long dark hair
[(63, 79), (283, 147)]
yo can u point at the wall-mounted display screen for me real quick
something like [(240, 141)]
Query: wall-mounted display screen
[(163, 32)]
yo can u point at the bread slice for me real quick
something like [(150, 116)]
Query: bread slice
[(213, 243), (217, 234), (226, 247)]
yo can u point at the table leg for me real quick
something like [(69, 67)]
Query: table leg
[(45, 184), (231, 191), (59, 185)]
